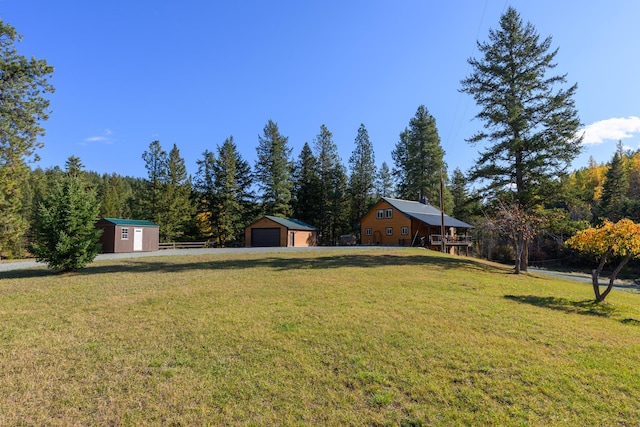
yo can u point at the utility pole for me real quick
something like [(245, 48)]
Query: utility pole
[(442, 231)]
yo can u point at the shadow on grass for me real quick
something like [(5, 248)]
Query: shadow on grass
[(282, 263), (587, 307)]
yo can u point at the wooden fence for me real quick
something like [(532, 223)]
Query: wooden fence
[(187, 245)]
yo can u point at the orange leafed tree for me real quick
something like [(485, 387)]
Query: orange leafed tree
[(611, 240)]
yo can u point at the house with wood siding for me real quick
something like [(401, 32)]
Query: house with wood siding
[(405, 223)]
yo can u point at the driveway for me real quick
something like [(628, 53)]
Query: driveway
[(21, 265)]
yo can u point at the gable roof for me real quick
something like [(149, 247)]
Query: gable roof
[(131, 222), (425, 213), (292, 224)]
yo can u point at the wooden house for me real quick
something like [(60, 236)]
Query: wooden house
[(407, 223), (128, 235), (276, 231)]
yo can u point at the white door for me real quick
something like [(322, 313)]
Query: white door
[(137, 239)]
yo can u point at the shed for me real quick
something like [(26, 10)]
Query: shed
[(128, 235), (275, 231)]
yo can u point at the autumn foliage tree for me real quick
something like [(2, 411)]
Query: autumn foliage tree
[(610, 240)]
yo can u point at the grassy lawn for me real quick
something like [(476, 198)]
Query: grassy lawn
[(399, 337)]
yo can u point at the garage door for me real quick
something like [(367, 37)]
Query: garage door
[(263, 237)]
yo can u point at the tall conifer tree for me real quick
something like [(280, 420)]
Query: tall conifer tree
[(530, 122), (273, 171), (363, 175)]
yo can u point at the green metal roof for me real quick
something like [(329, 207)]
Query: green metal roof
[(131, 222), (292, 224)]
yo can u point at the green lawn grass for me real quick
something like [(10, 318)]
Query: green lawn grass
[(399, 337)]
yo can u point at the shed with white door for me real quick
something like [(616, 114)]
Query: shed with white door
[(128, 235)]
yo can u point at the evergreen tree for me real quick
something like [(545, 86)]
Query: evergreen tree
[(205, 189), (465, 206), (115, 197), (176, 199), (23, 108), (419, 159), (614, 191), (152, 202), (363, 175), (167, 199), (232, 180), (223, 189), (306, 187), (384, 182), (332, 190), (530, 126), (273, 170), (66, 237)]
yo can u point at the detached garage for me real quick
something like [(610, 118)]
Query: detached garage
[(273, 231), (128, 235)]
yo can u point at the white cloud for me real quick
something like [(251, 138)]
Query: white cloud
[(96, 139), (614, 129), (105, 138)]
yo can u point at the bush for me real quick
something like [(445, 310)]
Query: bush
[(66, 237)]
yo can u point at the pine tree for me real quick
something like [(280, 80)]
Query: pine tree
[(115, 195), (363, 175), (205, 189), (464, 205), (419, 159), (232, 180), (384, 181), (273, 171), (529, 125), (332, 190), (614, 191), (152, 202), (66, 237), (176, 200), (167, 200), (306, 188), (23, 108)]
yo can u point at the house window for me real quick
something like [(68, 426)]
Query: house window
[(124, 234), (380, 214), (389, 231), (405, 231), (388, 213), (367, 231)]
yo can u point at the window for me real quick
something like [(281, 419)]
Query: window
[(367, 231), (389, 231), (388, 213), (404, 231), (379, 214), (124, 235)]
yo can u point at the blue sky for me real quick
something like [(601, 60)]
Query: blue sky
[(195, 72)]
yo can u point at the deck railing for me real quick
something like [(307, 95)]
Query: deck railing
[(436, 240)]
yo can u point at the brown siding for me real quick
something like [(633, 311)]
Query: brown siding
[(302, 238), (379, 227), (112, 242), (265, 223)]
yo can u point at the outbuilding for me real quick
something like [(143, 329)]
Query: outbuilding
[(128, 235), (271, 231)]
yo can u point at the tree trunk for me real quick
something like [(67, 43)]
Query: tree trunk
[(595, 273), (612, 279)]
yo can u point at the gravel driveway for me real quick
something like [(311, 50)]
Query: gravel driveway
[(21, 265)]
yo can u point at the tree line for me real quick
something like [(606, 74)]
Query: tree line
[(226, 193)]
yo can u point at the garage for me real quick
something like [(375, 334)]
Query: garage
[(265, 237), (273, 231)]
